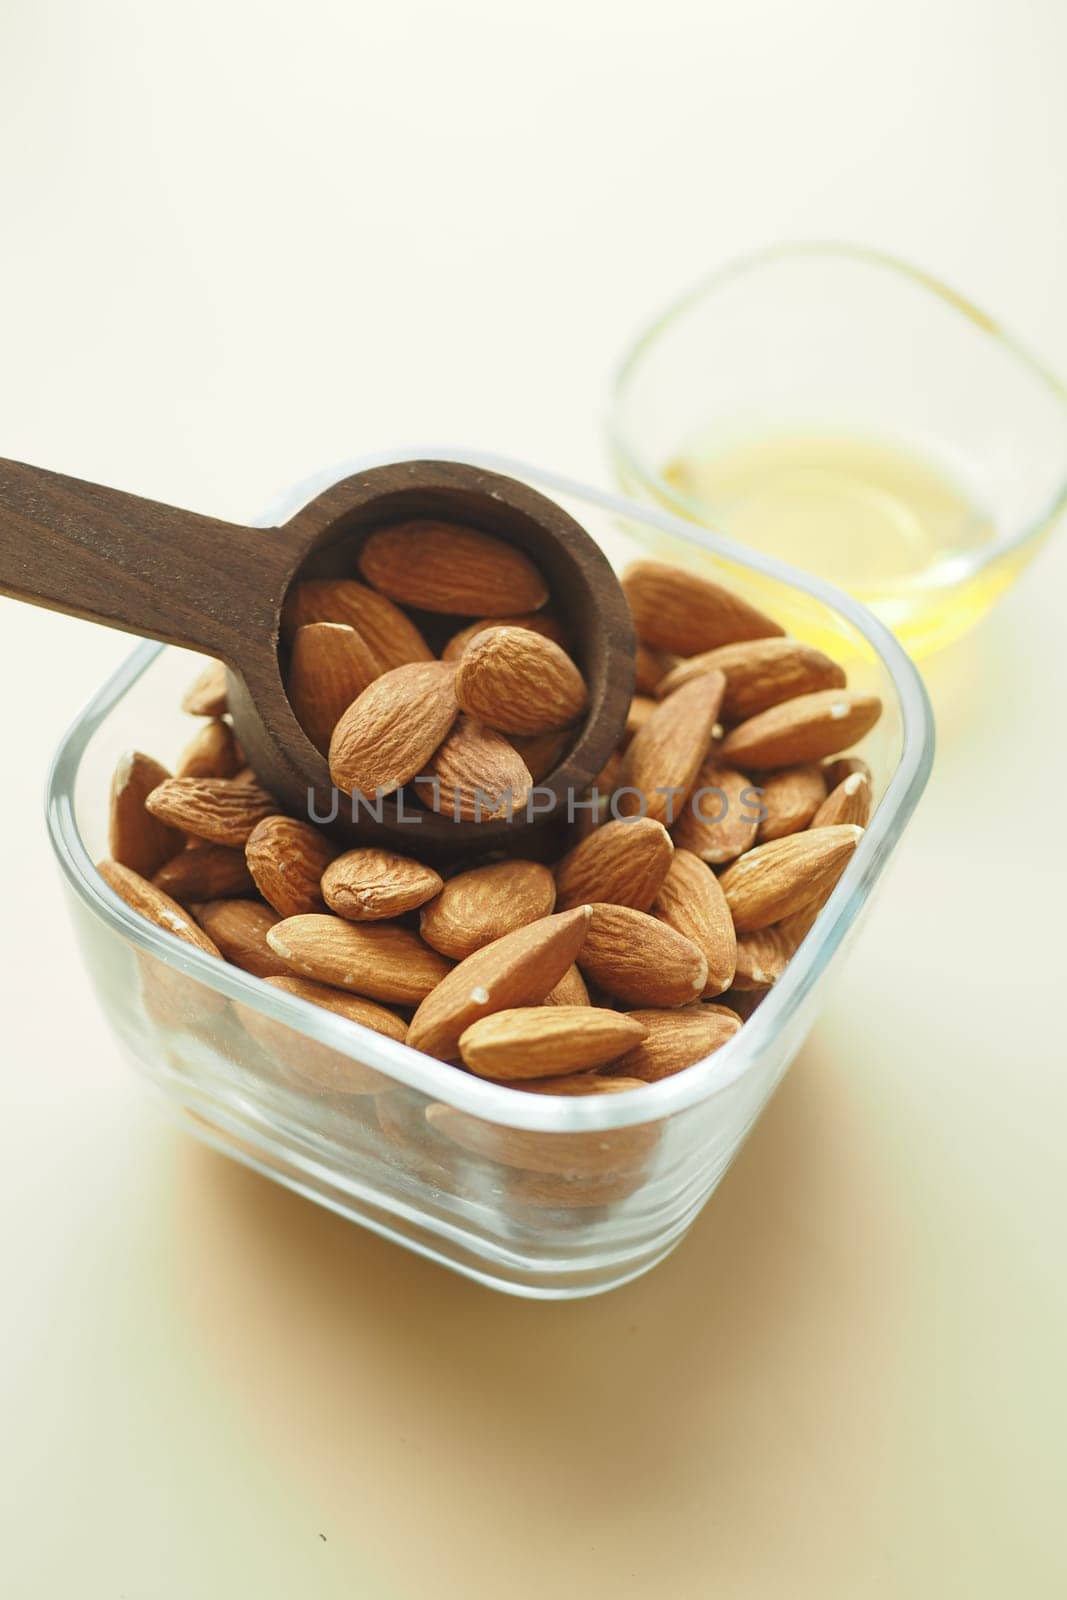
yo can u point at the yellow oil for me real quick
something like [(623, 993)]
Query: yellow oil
[(876, 518)]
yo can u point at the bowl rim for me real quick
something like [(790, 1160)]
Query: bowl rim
[(704, 1080), (633, 468)]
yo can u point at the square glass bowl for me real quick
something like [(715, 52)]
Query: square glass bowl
[(816, 346), (531, 1194)]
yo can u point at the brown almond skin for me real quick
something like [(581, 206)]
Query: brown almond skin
[(774, 880), (218, 810), (790, 797), (763, 956), (541, 753), (804, 729), (475, 774), (651, 668), (665, 755), (547, 1041), (447, 568), (213, 752), (836, 772), (287, 859), (239, 928), (641, 961), (678, 611), (206, 872), (675, 1040), (759, 673), (206, 695), (519, 682), (537, 622), (330, 665), (371, 885), (375, 959), (720, 819), (315, 1065), (691, 901), (389, 734), (391, 636), (850, 801), (620, 863), (580, 1156), (518, 970), (155, 906), (137, 839), (569, 991), (477, 907)]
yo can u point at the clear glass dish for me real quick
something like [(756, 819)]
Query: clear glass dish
[(538, 1196), (824, 346)]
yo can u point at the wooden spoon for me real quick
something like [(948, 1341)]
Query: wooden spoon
[(218, 587)]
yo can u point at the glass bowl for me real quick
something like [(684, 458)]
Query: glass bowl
[(822, 357), (535, 1195)]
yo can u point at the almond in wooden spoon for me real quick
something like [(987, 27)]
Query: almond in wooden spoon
[(389, 734), (329, 667), (519, 682), (445, 567)]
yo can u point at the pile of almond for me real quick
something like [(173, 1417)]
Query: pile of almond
[(491, 717), (716, 835)]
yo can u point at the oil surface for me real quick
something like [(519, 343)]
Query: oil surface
[(874, 517)]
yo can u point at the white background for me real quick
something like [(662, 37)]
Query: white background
[(241, 240)]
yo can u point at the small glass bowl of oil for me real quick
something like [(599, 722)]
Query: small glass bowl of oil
[(847, 413)]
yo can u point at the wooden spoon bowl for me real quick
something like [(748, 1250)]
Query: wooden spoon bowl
[(219, 588)]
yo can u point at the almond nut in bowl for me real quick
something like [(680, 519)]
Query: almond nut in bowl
[(574, 1180)]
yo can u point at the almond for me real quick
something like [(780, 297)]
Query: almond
[(621, 863), (315, 1064), (721, 816), (537, 622), (392, 638), (375, 959), (444, 567), (663, 758), (518, 970), (541, 752), (155, 906), (790, 799), (213, 752), (547, 1041), (691, 901), (239, 928), (353, 1006), (580, 1083), (641, 708), (519, 682), (651, 667), (569, 991), (388, 734), (677, 611), (287, 860), (763, 956), (475, 775), (220, 810), (136, 838), (206, 695), (850, 801), (578, 1155), (675, 1040), (759, 674), (477, 907), (205, 872), (370, 885), (836, 772), (776, 879), (641, 961), (330, 666), (804, 729)]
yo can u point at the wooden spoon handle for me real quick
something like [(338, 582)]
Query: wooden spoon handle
[(137, 565)]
